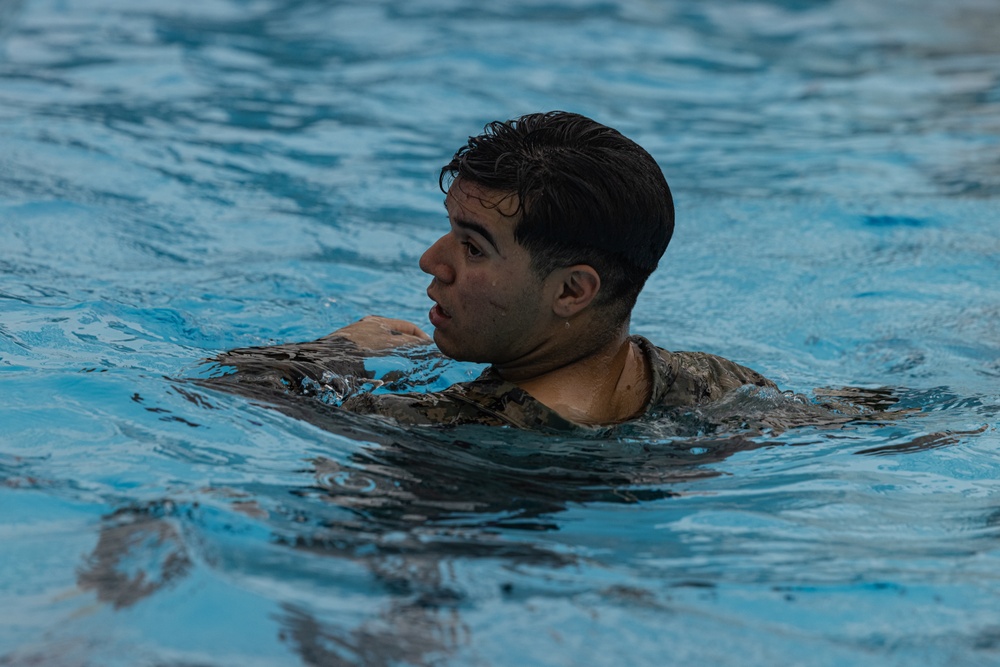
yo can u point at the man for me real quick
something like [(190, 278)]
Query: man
[(556, 222)]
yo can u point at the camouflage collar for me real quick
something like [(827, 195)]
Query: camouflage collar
[(511, 405)]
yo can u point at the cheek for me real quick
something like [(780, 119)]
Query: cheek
[(499, 300), (480, 290), (492, 299)]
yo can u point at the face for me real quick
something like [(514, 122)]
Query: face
[(489, 305)]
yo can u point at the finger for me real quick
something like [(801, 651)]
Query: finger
[(416, 333), (406, 328)]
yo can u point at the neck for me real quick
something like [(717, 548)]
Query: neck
[(604, 385)]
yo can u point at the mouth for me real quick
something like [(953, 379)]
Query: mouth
[(438, 315)]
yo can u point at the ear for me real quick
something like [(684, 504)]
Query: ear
[(577, 287)]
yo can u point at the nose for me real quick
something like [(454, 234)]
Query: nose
[(435, 261)]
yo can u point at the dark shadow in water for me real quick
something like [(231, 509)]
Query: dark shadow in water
[(137, 554), (923, 442)]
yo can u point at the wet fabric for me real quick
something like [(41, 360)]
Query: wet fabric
[(335, 365)]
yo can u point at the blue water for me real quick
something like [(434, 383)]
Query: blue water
[(179, 179)]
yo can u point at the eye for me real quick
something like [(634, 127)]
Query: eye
[(472, 250)]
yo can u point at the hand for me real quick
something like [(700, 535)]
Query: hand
[(382, 333)]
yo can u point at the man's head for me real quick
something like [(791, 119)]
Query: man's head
[(554, 219), (586, 195)]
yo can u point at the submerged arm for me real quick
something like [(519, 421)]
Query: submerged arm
[(337, 358)]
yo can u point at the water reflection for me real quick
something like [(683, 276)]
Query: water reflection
[(410, 505), (406, 505), (412, 635), (138, 553)]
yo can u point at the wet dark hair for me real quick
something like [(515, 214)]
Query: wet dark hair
[(586, 195)]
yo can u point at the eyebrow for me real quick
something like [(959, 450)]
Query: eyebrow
[(479, 229), (475, 227)]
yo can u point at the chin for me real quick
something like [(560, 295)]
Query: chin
[(444, 348), (455, 352)]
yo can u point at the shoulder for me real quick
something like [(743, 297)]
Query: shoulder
[(699, 377)]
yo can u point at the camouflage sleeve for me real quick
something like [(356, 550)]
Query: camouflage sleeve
[(437, 409), (701, 377), (487, 401), (333, 369), (295, 366)]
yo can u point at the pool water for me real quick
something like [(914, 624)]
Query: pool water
[(183, 178)]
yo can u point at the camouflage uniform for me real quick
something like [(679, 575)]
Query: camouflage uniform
[(679, 379)]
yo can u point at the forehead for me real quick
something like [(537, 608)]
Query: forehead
[(471, 199)]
